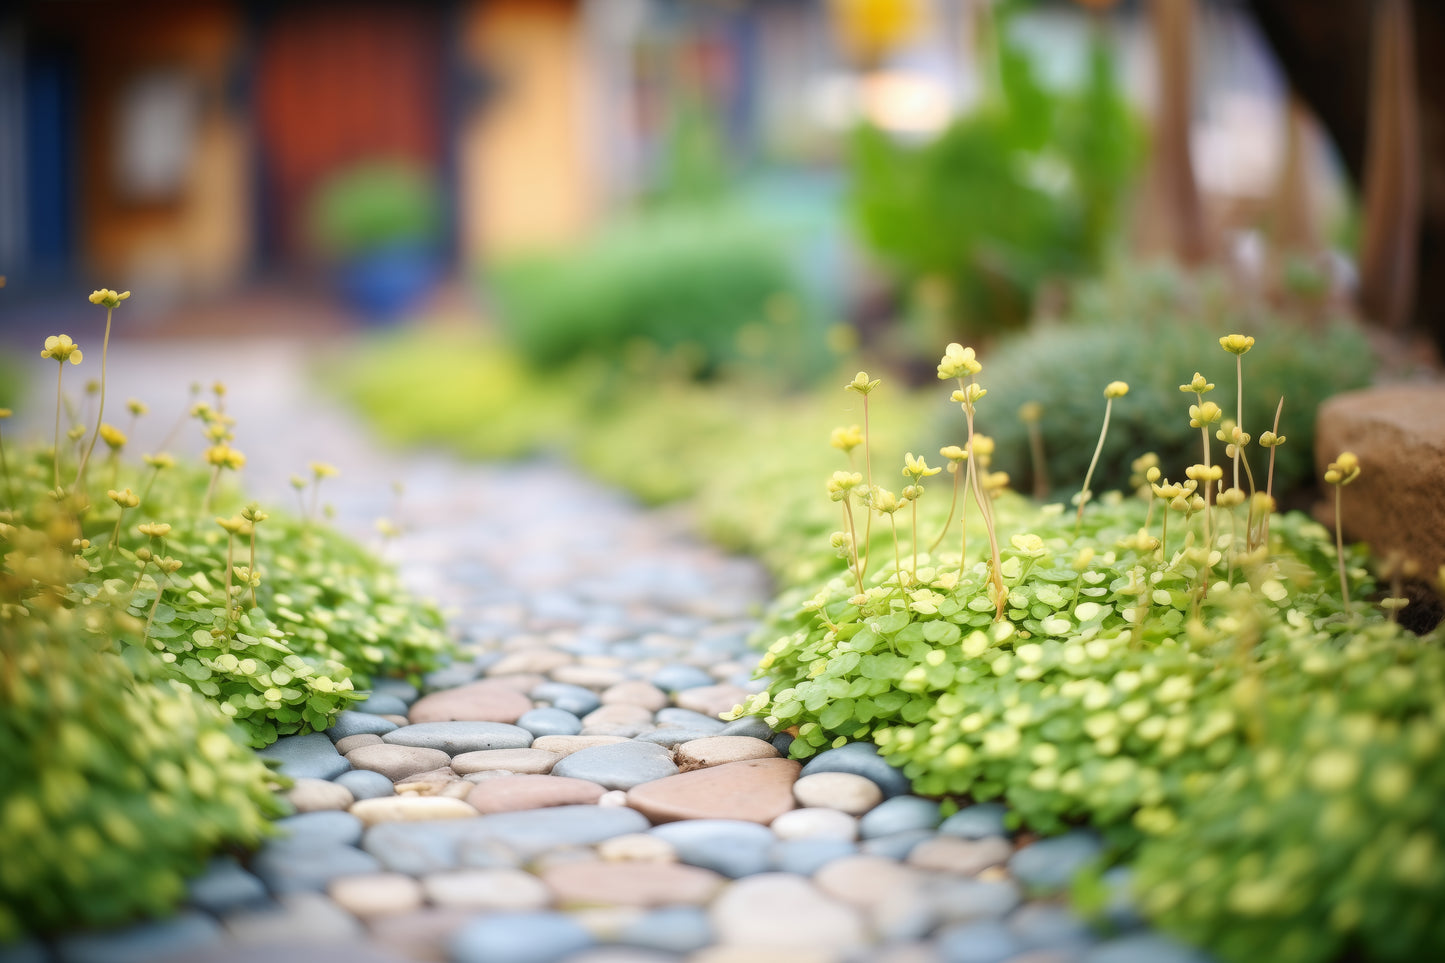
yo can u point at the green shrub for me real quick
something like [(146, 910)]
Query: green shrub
[(373, 205)]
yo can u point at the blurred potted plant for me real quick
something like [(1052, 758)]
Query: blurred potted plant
[(379, 223)]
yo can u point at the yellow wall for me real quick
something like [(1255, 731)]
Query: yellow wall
[(524, 175)]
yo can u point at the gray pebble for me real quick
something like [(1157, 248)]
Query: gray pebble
[(396, 688), (224, 886), (896, 845), (569, 698), (676, 677), (352, 723), (519, 938), (621, 765), (186, 932), (452, 676), (291, 869), (965, 900), (324, 828), (806, 856), (1121, 908), (782, 742), (728, 846), (381, 704), (673, 929), (1051, 864), (672, 737), (550, 721), (984, 941), (897, 815), (1048, 926), (861, 759), (688, 719), (747, 726), (454, 738), (365, 784), (309, 756), (977, 821)]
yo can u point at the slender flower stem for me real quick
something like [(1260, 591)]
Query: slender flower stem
[(963, 517), (1238, 409), (59, 402), (915, 540), (952, 507), (897, 558), (853, 537), (1093, 463), (981, 498), (868, 467), (211, 489), (230, 556), (251, 571), (9, 482), (100, 415), (1340, 550), (1269, 481)]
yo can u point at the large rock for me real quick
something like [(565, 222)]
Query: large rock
[(754, 790), (478, 702)]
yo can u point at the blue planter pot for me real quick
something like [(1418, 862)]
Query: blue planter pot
[(381, 285)]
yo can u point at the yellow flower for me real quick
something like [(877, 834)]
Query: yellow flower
[(5, 413), (162, 459), (916, 468), (321, 469), (843, 482), (236, 525), (136, 407), (1205, 414), (1031, 412), (252, 513), (387, 528), (1343, 470), (983, 446), (861, 384), (885, 501), (113, 437), (846, 439), (1269, 439), (969, 396), (953, 453), (107, 297), (1116, 389), (1197, 385), (1236, 343), (958, 362), (125, 499), (154, 529), (298, 483), (1204, 472), (224, 456), (60, 347)]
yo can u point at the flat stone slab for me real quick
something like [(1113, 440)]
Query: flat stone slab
[(458, 737), (484, 701), (754, 790), (529, 761), (622, 765), (513, 793)]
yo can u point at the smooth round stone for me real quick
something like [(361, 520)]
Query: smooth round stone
[(397, 762), (639, 884), (806, 856), (754, 790), (550, 721), (612, 797), (977, 821), (487, 889), (867, 880), (964, 900), (677, 677), (410, 809), (396, 688), (318, 795), (376, 895), (635, 692), (844, 791), (349, 743), (566, 745), (457, 737), (673, 929), (619, 766), (223, 887), (711, 700), (983, 941), (295, 917), (962, 857), (451, 676), (1047, 926), (673, 717), (569, 698), (816, 823), (365, 784), (485, 701), (897, 815), (1144, 948), (309, 756), (519, 938), (527, 761), (780, 911), (381, 703), (670, 737), (748, 726), (783, 742), (731, 847), (617, 719), (531, 662), (1051, 864), (325, 828), (291, 869), (522, 682), (512, 793), (587, 676), (717, 750), (636, 848), (189, 933), (422, 934), (860, 759), (896, 845), (352, 723)]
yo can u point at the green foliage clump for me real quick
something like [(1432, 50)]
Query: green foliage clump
[(373, 205)]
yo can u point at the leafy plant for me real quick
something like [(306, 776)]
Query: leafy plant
[(374, 205)]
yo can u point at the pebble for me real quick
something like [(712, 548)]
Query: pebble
[(296, 919), (310, 756), (457, 737), (349, 722), (676, 678), (314, 795), (977, 821), (731, 847), (519, 938), (868, 880), (377, 894), (365, 784), (394, 688), (318, 829), (844, 791), (637, 848), (711, 700), (381, 703), (635, 692), (423, 934), (672, 929), (670, 737), (187, 932), (410, 809), (962, 900), (223, 887), (619, 766), (674, 717), (487, 889), (566, 745), (533, 662), (717, 750), (512, 793), (781, 911), (816, 823), (430, 783), (397, 762), (748, 726), (586, 676), (1049, 926), (899, 814), (485, 701), (529, 761), (1144, 948), (755, 790), (617, 719), (550, 721), (982, 941), (962, 857), (860, 759), (643, 884), (1051, 864), (806, 856), (290, 869), (349, 743), (569, 698), (896, 845)]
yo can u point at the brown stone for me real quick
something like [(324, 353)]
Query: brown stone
[(348, 743), (397, 762), (589, 677), (511, 793), (376, 894), (484, 701), (967, 857), (635, 692), (410, 809), (631, 884), (756, 790), (711, 700), (420, 934), (532, 761), (566, 745), (617, 719), (427, 783), (537, 661), (720, 750)]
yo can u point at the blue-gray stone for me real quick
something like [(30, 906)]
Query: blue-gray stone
[(620, 765), (897, 815), (984, 941), (584, 645), (806, 856), (728, 846), (1051, 864), (457, 737), (325, 828), (688, 719), (1048, 926), (747, 726), (352, 723), (382, 704), (550, 721), (677, 677), (977, 822), (519, 938), (27, 951), (569, 698), (671, 736), (224, 886), (309, 756), (451, 676), (1145, 948), (290, 869), (398, 688), (186, 932), (861, 759), (483, 661), (427, 847), (1120, 906), (962, 900), (896, 845), (673, 929), (782, 742), (365, 784)]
